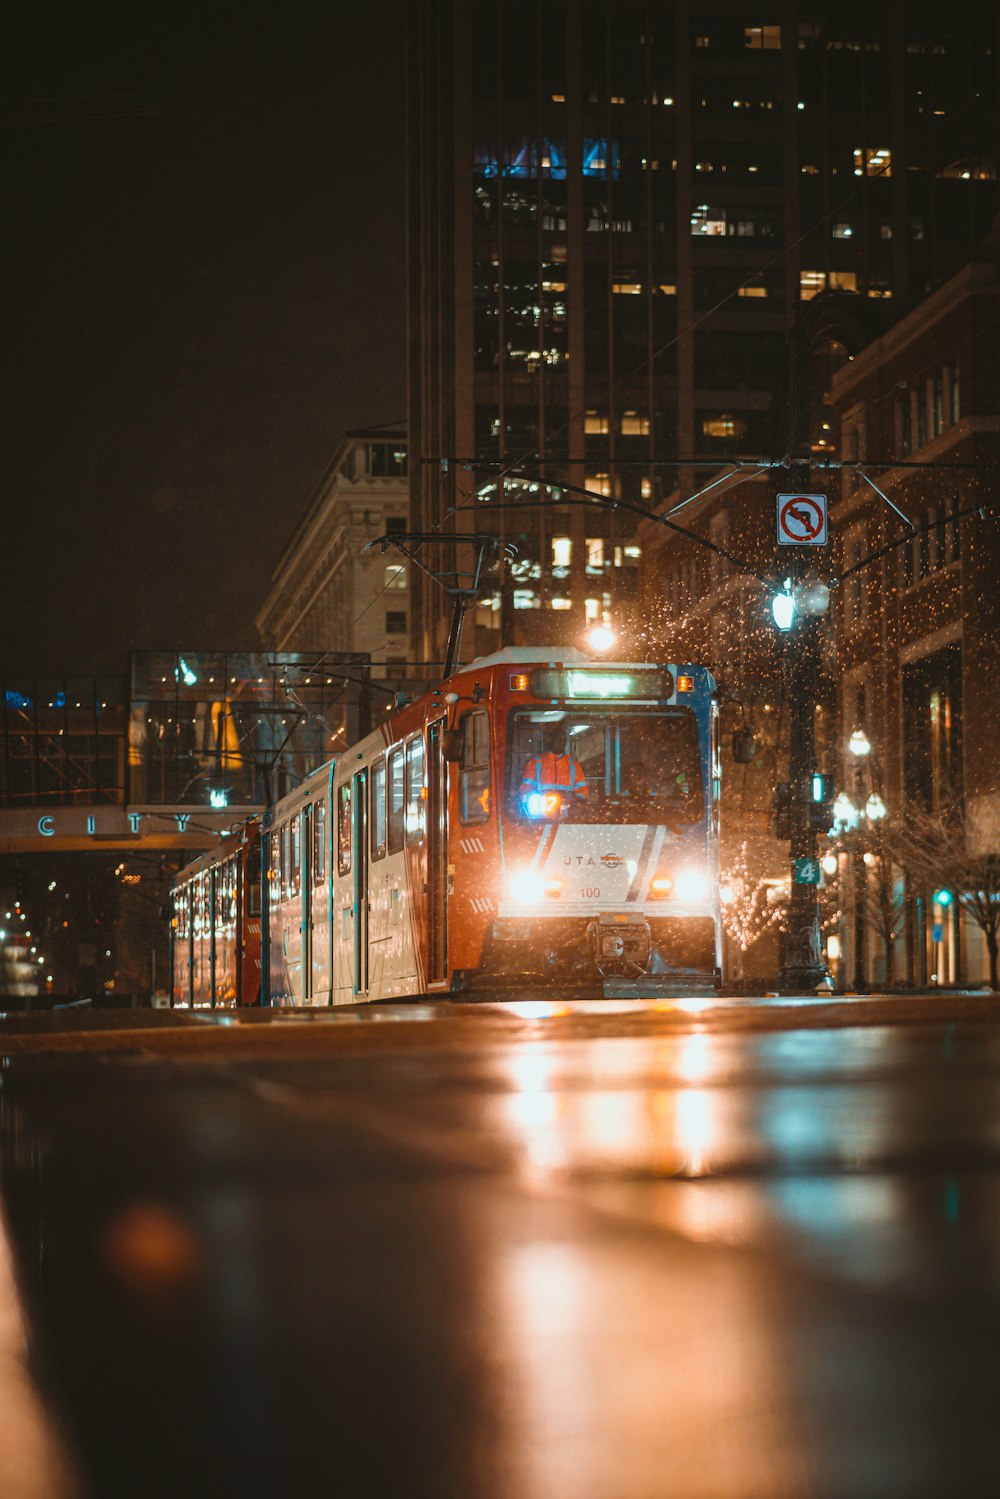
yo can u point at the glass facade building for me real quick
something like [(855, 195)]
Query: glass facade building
[(617, 210)]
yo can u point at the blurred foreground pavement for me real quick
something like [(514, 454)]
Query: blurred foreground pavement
[(621, 1250)]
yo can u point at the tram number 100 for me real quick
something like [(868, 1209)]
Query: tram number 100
[(590, 892)]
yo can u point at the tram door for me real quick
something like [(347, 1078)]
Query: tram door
[(437, 855), (305, 891), (360, 840)]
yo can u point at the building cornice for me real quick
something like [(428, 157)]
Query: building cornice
[(977, 279)]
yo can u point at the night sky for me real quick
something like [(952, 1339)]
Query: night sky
[(198, 306)]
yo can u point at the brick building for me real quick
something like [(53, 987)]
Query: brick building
[(918, 630)]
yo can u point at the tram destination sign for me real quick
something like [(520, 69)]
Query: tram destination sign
[(601, 685), (801, 520)]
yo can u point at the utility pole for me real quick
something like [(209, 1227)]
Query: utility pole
[(803, 967)]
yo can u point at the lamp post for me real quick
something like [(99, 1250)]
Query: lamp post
[(803, 968), (859, 745), (872, 813)]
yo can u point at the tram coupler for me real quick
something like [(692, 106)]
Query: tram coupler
[(620, 942)]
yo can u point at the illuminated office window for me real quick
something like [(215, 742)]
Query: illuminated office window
[(723, 425), (595, 554), (634, 424), (562, 551), (767, 38), (595, 422), (872, 161)]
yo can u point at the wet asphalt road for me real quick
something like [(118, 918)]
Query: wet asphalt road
[(523, 1252)]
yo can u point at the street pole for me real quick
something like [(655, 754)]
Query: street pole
[(860, 928), (803, 967)]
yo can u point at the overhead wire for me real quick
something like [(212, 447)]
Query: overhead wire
[(530, 454)]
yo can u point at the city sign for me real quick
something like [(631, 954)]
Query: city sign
[(807, 871), (801, 520), (102, 827)]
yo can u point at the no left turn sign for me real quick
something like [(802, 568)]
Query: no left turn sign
[(801, 520)]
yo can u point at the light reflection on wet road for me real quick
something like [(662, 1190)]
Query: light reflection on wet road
[(545, 1259)]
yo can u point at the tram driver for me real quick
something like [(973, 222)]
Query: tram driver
[(552, 780)]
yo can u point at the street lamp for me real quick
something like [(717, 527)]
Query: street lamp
[(859, 744), (601, 638)]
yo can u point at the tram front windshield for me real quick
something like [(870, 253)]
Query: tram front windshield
[(600, 766)]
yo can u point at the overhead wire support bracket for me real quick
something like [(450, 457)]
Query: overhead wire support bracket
[(891, 503), (461, 587), (739, 471)]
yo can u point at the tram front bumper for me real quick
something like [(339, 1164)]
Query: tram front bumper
[(587, 949)]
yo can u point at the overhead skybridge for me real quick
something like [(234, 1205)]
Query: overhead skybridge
[(174, 753)]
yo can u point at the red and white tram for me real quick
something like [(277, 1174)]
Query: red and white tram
[(435, 857), (216, 924)]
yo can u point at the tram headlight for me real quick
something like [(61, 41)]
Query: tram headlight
[(691, 885), (524, 886), (661, 886)]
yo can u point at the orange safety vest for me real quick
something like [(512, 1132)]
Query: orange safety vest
[(551, 772)]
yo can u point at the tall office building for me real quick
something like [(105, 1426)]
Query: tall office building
[(617, 210)]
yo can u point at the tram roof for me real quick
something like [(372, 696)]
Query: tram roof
[(524, 655)]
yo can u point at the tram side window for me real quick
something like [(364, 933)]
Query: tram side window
[(415, 807), (274, 867), (319, 842), (378, 809), (344, 828), (286, 858), (253, 880), (474, 780), (397, 801), (295, 867)]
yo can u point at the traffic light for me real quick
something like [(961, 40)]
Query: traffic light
[(816, 793), (820, 803), (783, 607)]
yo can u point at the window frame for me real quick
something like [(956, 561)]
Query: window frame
[(376, 804), (319, 841), (345, 827), (472, 813), (414, 834), (395, 817)]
